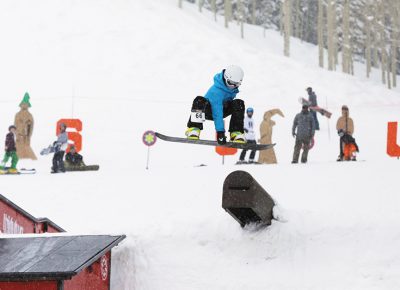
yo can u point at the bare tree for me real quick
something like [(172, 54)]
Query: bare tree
[(375, 34), (395, 34), (331, 14), (281, 16), (367, 29), (321, 32), (346, 54), (297, 19), (214, 8), (227, 12), (287, 26), (241, 17), (382, 38), (253, 11), (335, 37), (201, 3)]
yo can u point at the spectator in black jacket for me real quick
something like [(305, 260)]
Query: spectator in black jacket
[(304, 123), (10, 151), (73, 159)]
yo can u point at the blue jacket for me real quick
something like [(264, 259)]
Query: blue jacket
[(217, 95)]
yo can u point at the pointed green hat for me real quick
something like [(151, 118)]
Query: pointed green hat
[(26, 100)]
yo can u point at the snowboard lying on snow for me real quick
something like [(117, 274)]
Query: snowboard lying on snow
[(20, 171), (215, 143), (82, 168)]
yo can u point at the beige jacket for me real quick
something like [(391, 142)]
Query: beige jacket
[(345, 123)]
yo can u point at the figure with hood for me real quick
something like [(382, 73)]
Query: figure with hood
[(344, 126), (218, 103), (303, 129), (24, 124), (268, 156)]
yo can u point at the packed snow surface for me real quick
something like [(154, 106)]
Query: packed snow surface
[(125, 66)]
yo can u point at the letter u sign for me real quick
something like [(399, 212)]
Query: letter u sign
[(76, 136), (393, 149)]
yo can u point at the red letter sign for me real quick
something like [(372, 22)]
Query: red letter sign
[(76, 137), (393, 149)]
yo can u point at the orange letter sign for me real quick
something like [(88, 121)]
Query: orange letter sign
[(393, 149), (76, 137)]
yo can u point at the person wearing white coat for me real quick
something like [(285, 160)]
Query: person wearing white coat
[(250, 136)]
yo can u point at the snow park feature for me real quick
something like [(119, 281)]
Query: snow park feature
[(246, 201), (15, 220), (133, 65), (56, 262)]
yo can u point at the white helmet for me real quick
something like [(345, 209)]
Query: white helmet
[(233, 75)]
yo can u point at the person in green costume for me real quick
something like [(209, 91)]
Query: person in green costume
[(10, 151)]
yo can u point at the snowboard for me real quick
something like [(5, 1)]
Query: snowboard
[(48, 150), (20, 171), (215, 143), (82, 168), (318, 109), (247, 163)]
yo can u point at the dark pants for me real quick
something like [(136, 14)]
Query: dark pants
[(305, 143), (341, 145), (234, 108), (58, 163), (345, 139), (314, 115), (244, 151)]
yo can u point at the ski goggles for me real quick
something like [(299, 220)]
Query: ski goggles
[(233, 84)]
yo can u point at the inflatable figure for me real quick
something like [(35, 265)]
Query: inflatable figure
[(268, 156), (24, 123)]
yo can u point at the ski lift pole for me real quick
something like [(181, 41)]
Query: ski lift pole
[(148, 157), (149, 138)]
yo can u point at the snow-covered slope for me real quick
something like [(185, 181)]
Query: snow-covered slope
[(124, 66)]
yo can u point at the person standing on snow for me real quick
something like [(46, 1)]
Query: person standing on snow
[(218, 103), (305, 125), (60, 146), (344, 126), (10, 151), (312, 99), (250, 136)]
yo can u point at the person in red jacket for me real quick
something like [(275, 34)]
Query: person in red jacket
[(10, 151)]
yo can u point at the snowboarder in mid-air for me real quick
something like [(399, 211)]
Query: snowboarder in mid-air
[(250, 136), (218, 103), (10, 152), (59, 149)]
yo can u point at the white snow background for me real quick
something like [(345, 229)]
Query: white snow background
[(125, 66)]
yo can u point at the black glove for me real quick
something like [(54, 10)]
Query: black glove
[(221, 138), (247, 131), (294, 134)]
